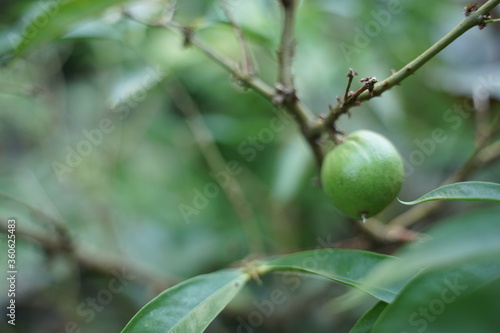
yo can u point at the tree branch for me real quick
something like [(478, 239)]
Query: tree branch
[(228, 64), (300, 112), (468, 23), (286, 50), (286, 95), (247, 67), (472, 20)]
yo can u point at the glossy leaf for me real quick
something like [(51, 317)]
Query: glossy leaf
[(440, 301), (189, 306), (366, 322), (349, 267), (467, 191)]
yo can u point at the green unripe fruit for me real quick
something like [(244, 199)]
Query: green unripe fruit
[(362, 175)]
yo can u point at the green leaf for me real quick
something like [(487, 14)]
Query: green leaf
[(51, 20), (349, 267), (456, 240), (441, 301), (468, 191), (366, 322), (189, 306)]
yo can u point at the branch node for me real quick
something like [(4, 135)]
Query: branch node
[(352, 73), (247, 65), (484, 18), (284, 96), (369, 83), (470, 8), (187, 33)]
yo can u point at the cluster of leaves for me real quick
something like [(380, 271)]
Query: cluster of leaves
[(448, 281)]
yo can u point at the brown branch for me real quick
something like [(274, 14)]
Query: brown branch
[(248, 68), (286, 95), (352, 73), (286, 51)]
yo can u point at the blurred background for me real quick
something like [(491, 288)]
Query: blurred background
[(114, 134)]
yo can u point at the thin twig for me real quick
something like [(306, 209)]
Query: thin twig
[(350, 100), (468, 23), (248, 68), (286, 50), (228, 64), (285, 88), (216, 163), (350, 76)]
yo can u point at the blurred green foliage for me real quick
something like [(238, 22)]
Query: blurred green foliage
[(88, 64)]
